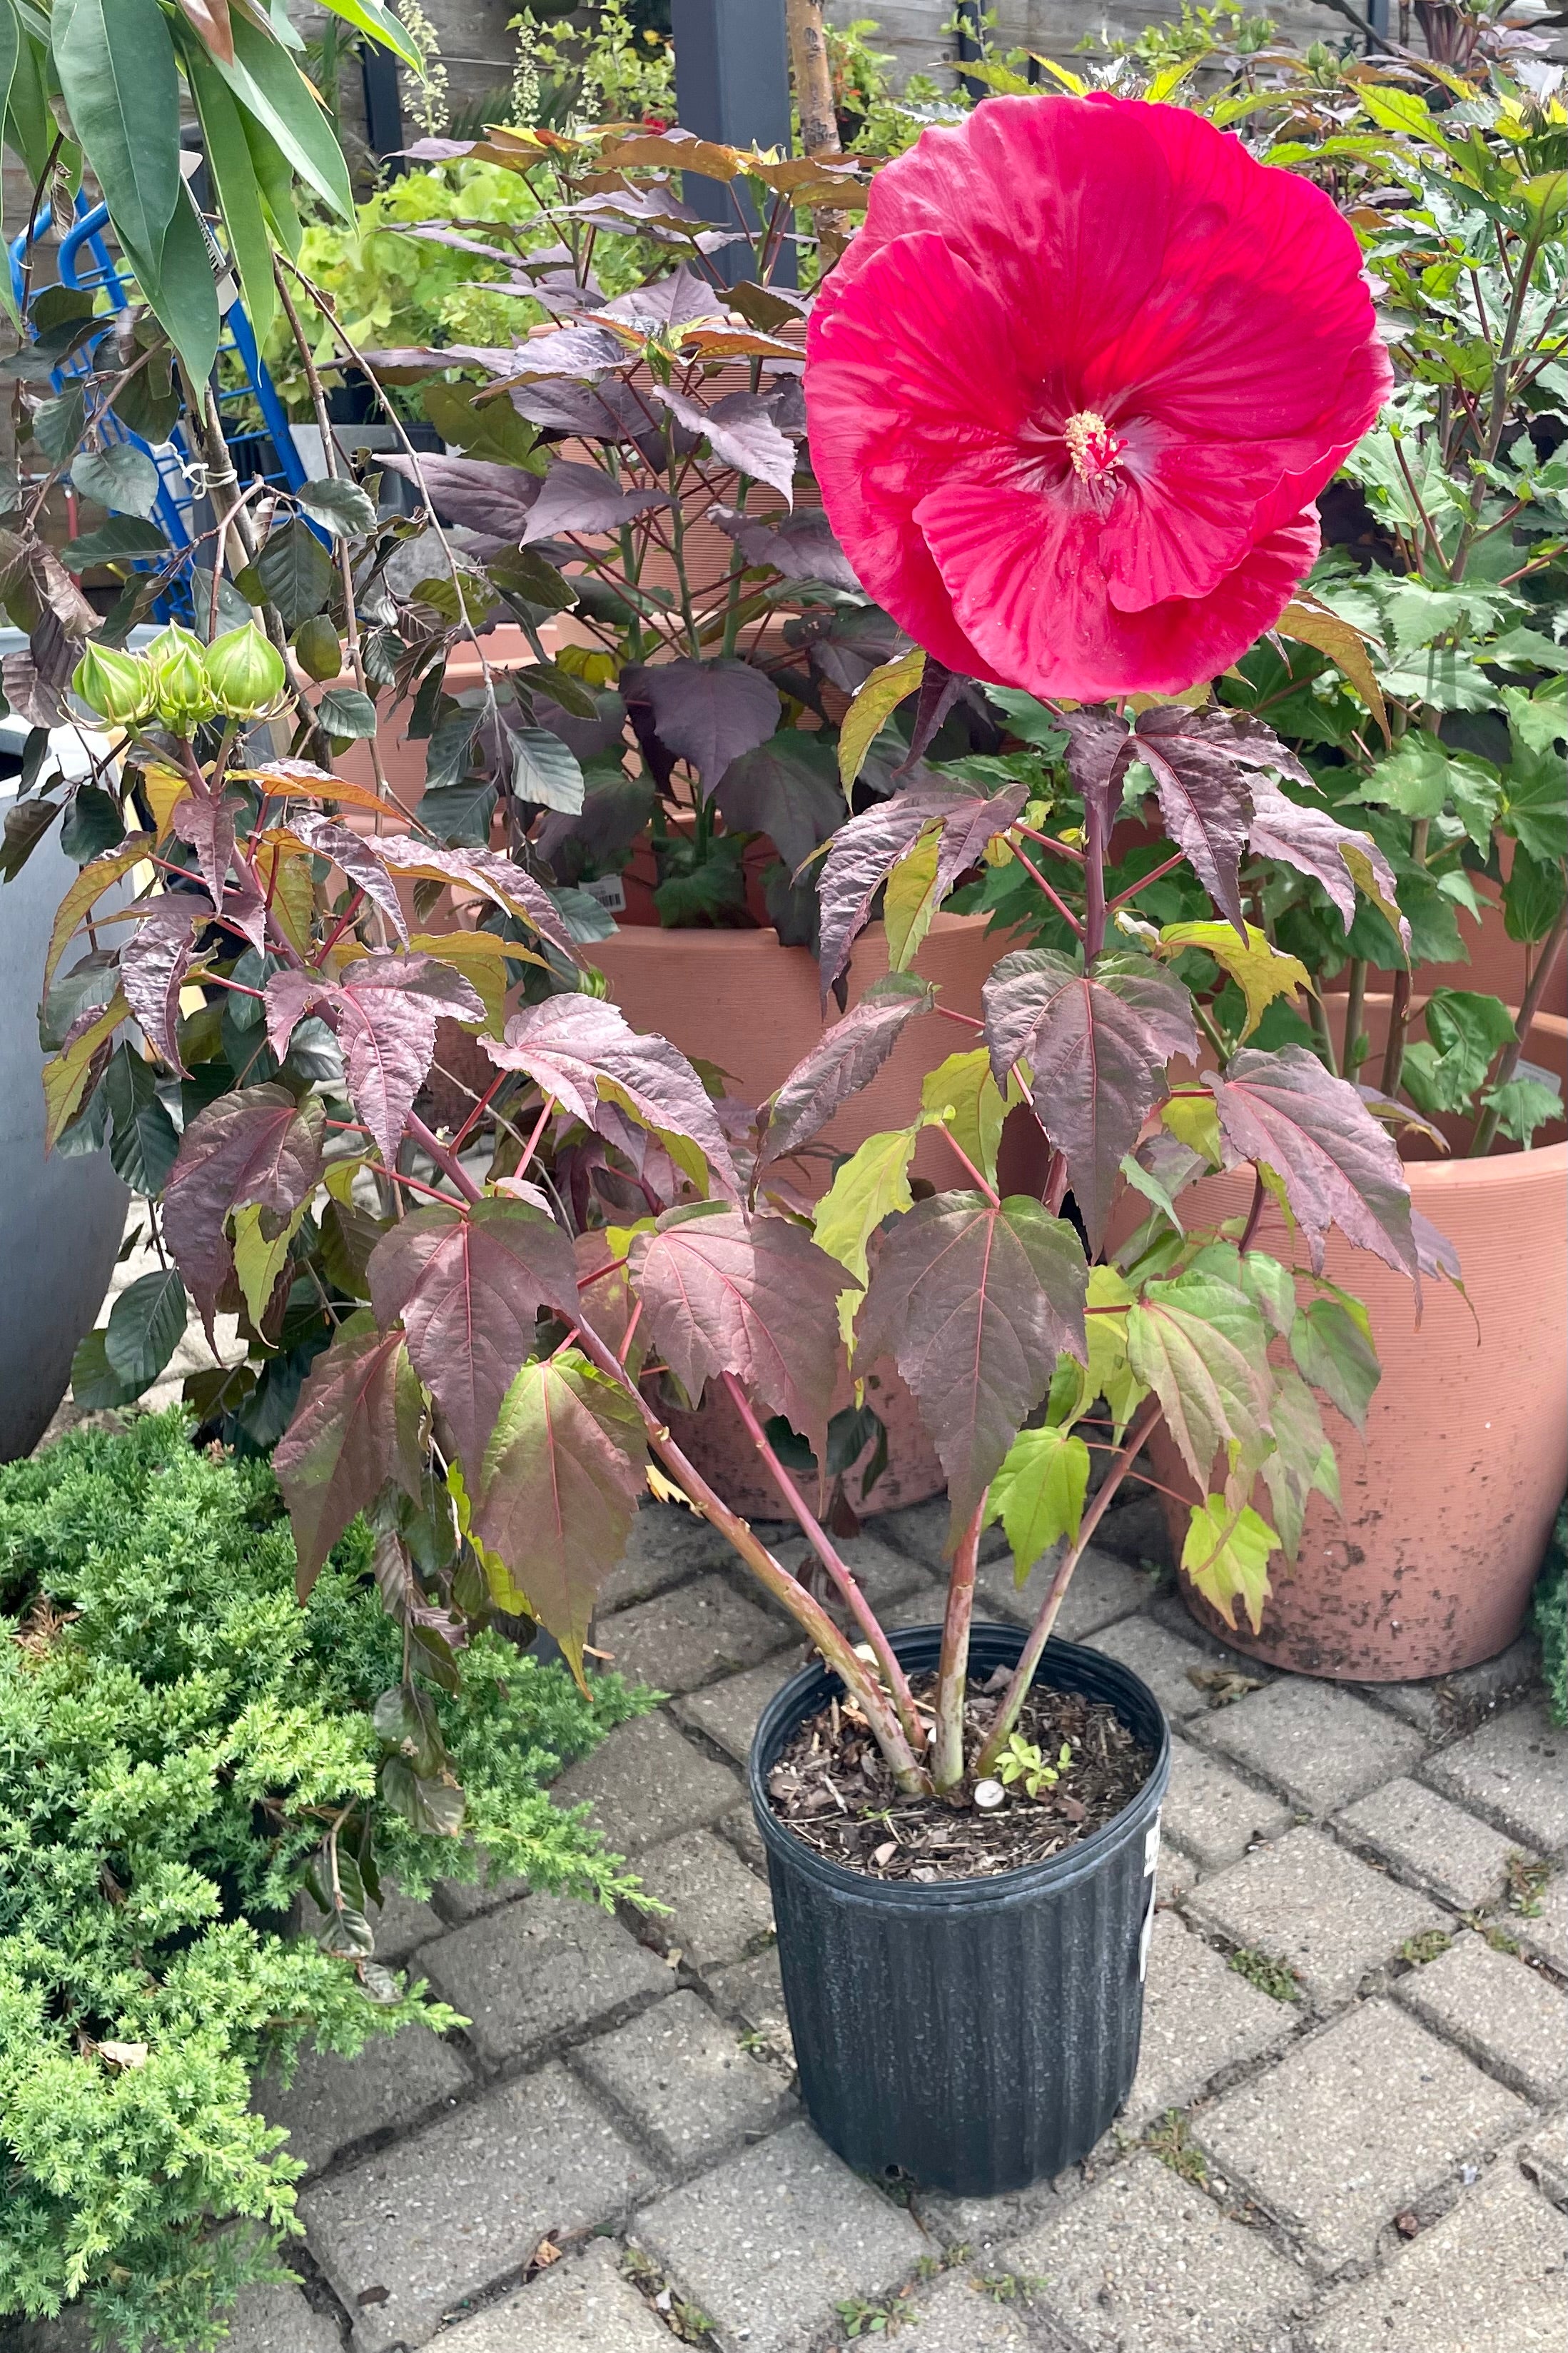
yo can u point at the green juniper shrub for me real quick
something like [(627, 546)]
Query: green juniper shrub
[(176, 1734), (1550, 1613)]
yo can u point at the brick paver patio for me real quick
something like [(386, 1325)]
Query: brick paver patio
[(1347, 2135)]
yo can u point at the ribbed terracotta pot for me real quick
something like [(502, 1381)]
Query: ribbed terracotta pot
[(1448, 1505)]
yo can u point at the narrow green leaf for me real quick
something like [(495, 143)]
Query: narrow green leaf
[(181, 288), (233, 176), (873, 706), (270, 86), (370, 17), (115, 60)]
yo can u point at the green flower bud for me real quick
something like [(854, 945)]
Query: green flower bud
[(591, 982), (185, 697), (245, 672), (119, 686)]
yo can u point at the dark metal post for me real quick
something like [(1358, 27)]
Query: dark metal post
[(382, 102), (1377, 17), (732, 76), (971, 44)]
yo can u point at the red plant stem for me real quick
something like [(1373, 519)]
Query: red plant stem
[(600, 1272), (1029, 1657), (952, 1668), (989, 1190), (1093, 932), (1259, 1194), (629, 1334), (1122, 896), (1063, 909), (809, 1613), (951, 1013), (540, 1125), (339, 928), (482, 1105), (1049, 841), (837, 1569)]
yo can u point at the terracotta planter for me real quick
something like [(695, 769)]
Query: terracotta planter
[(1497, 966), (1448, 1505), (717, 1442)]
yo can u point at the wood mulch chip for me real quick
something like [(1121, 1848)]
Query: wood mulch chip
[(832, 1788)]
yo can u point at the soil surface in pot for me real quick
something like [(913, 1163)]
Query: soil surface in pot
[(833, 1790)]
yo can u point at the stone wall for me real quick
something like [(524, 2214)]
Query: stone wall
[(913, 29)]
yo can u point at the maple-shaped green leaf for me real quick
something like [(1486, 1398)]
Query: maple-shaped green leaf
[(469, 1286), (1302, 1458), (872, 1184), (257, 1144), (975, 1301), (562, 1475), (1331, 1340), (1096, 1045), (961, 1096), (723, 1292), (585, 1052), (846, 1057), (1261, 972), (1225, 1555), (1110, 1372), (356, 1426), (1038, 1494), (1200, 1347)]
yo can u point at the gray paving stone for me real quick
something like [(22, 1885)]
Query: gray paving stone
[(1547, 1933), (1308, 1903), (538, 1970), (1145, 2263), (1103, 1589), (752, 1993), (1318, 1744), (270, 2319), (957, 2316), (770, 2243), (401, 1924), (727, 1711), (1133, 1528), (461, 1900), (1438, 1707), (1514, 1770), (331, 2103), (1176, 1875), (454, 2209), (1199, 2018), (1212, 1812), (1163, 1659), (1354, 2125), (1504, 2013), (920, 1530), (1489, 2278), (739, 1826), (719, 1912), (667, 1542), (684, 2083), (1544, 2158), (982, 2226), (645, 1783), (683, 1638), (581, 2305), (1427, 1839), (884, 1572)]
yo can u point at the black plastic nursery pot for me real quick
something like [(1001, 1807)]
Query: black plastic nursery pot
[(978, 2034)]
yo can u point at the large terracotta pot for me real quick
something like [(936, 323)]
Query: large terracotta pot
[(718, 1443), (1448, 1505), (1498, 966)]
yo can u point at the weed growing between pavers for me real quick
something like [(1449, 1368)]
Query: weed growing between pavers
[(1168, 2140), (1526, 1885), (1429, 1946), (1269, 1975)]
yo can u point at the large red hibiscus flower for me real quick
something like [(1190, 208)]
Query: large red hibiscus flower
[(1075, 386)]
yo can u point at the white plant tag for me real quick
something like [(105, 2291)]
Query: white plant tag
[(608, 891), (1151, 1847), (1147, 1931)]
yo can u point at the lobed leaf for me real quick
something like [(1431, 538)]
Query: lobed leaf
[(385, 1011), (865, 851), (1201, 1348), (1337, 1167), (1038, 1494), (356, 1426), (256, 1144), (1226, 1554), (847, 1059), (153, 964), (1334, 854)]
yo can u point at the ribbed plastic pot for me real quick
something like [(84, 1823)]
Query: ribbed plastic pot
[(977, 2034)]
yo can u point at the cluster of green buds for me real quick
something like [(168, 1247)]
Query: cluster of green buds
[(181, 682)]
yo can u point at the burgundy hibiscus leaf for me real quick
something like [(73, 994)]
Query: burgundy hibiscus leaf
[(797, 546), (740, 432), (584, 352), (564, 1473), (975, 1304), (582, 499), (153, 964), (357, 1426), (363, 861), (866, 850), (585, 1054), (1096, 1045), (385, 1010), (487, 872), (1337, 1164), (1334, 854), (706, 713), (257, 1145), (469, 1287), (723, 1292), (1202, 763), (473, 492), (1099, 752), (203, 820), (848, 1057), (787, 788)]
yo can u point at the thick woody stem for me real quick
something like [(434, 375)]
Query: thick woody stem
[(952, 1674), (1029, 1657), (837, 1569)]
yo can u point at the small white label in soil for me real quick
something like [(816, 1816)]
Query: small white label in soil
[(608, 891)]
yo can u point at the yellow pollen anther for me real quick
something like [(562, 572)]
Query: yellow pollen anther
[(1093, 448)]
